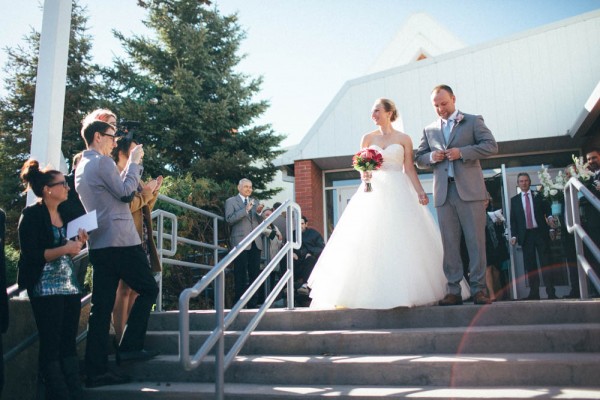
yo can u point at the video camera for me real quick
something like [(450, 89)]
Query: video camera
[(127, 128)]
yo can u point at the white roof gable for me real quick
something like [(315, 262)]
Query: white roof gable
[(421, 34), (530, 85)]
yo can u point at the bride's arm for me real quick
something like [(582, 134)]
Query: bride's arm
[(411, 172)]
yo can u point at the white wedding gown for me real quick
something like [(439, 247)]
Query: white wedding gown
[(385, 251)]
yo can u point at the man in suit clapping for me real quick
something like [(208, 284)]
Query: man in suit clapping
[(243, 213)]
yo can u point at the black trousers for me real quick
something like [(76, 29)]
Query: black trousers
[(536, 240), (1, 367), (57, 320), (246, 269), (111, 264)]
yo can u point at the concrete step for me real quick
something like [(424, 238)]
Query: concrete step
[(506, 369), (500, 313), (205, 391), (464, 340)]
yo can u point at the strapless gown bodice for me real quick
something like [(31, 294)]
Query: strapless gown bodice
[(393, 157), (385, 250)]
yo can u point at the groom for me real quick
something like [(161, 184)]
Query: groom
[(453, 146)]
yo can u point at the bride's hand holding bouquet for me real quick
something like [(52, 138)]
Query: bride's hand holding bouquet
[(366, 161)]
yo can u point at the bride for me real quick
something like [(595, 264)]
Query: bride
[(386, 250)]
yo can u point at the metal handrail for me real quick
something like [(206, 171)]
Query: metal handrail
[(573, 189), (173, 238), (217, 274)]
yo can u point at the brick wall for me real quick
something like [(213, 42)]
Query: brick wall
[(308, 182)]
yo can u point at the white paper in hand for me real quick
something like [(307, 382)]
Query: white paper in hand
[(496, 216), (88, 221)]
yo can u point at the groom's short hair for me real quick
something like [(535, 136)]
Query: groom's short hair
[(443, 87)]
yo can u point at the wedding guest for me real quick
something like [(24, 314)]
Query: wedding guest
[(496, 251), (3, 295), (243, 213), (141, 208), (280, 222), (453, 146), (46, 271), (307, 255), (115, 252), (274, 240), (590, 215), (529, 214), (73, 204), (568, 244)]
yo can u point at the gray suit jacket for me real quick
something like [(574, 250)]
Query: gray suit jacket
[(474, 140), (241, 222), (102, 188)]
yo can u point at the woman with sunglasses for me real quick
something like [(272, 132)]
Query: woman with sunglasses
[(46, 271)]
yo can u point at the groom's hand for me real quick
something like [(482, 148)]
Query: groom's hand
[(453, 154), (438, 155)]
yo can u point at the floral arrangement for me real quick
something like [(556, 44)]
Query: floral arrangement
[(579, 170), (553, 190), (459, 117), (367, 160)]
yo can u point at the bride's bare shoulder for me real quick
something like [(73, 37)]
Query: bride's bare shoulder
[(367, 139), (404, 139)]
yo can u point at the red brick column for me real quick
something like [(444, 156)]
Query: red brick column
[(308, 180)]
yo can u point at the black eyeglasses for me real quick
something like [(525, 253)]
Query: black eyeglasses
[(114, 137), (64, 183)]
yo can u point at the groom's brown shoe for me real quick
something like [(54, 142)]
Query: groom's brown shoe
[(451, 300), (481, 298)]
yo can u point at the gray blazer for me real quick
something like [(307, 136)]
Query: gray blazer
[(102, 188), (474, 140), (241, 222)]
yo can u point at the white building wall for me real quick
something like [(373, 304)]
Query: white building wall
[(530, 85)]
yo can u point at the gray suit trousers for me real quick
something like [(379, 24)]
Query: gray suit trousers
[(456, 216)]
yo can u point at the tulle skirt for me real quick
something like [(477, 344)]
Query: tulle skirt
[(385, 251)]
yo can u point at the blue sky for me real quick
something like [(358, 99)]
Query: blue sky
[(306, 49)]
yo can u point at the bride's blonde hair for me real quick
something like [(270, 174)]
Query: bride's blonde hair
[(389, 106)]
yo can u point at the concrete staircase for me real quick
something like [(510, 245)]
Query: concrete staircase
[(508, 350)]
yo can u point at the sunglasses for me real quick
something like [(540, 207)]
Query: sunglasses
[(63, 183)]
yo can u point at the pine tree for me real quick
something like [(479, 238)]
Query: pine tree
[(16, 109), (196, 112)]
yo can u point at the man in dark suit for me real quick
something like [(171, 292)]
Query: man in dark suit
[(115, 252), (3, 296), (530, 216), (243, 213), (590, 215), (453, 146)]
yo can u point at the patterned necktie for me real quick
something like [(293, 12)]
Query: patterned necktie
[(245, 201), (528, 213)]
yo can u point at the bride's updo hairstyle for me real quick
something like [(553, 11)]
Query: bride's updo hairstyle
[(35, 178), (389, 106)]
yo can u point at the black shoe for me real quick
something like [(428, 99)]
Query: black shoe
[(105, 379), (136, 355), (532, 296)]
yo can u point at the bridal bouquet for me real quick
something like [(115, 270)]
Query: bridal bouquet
[(367, 160)]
